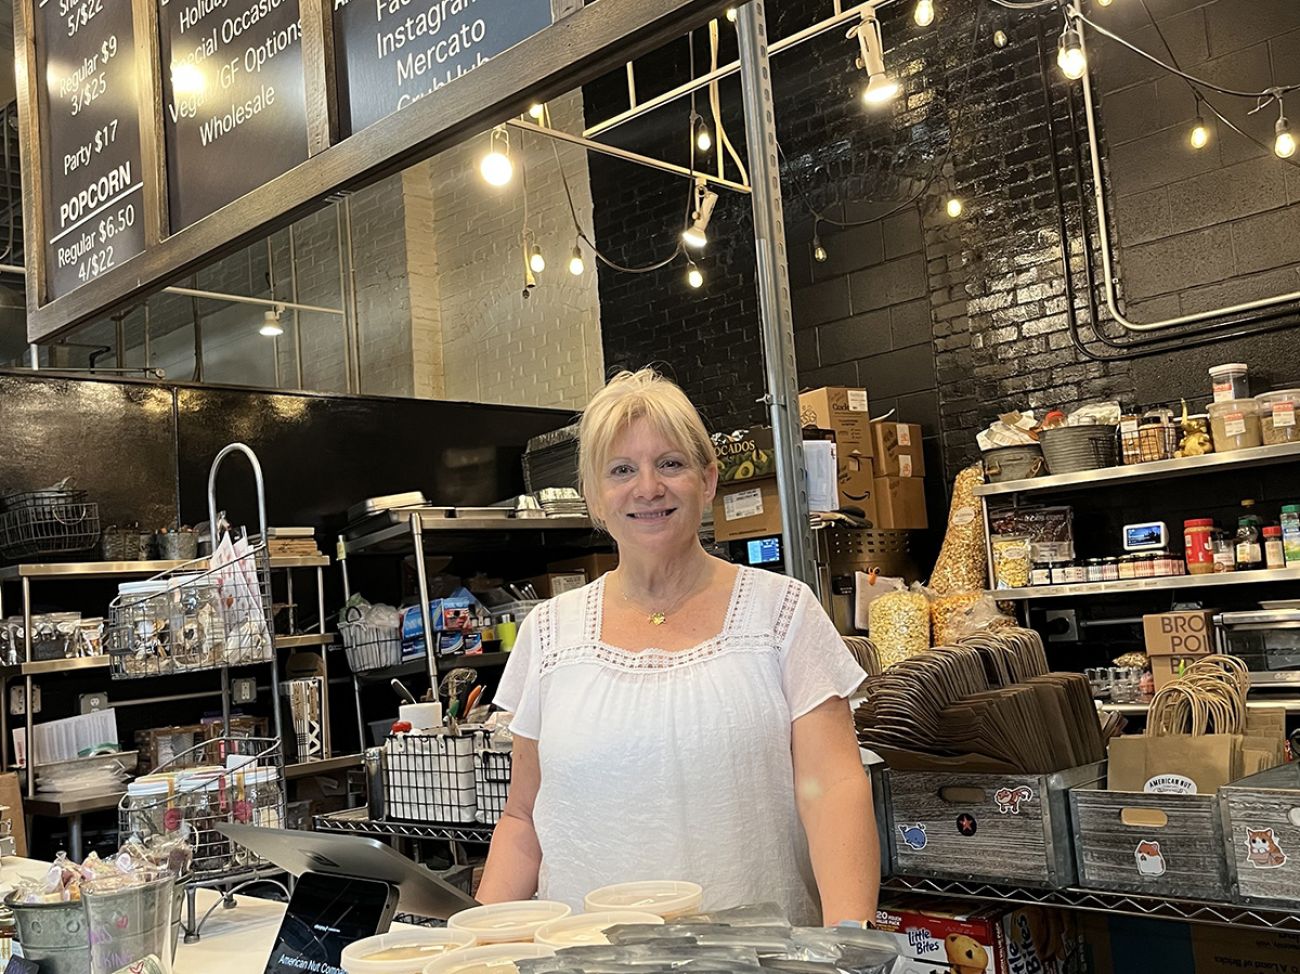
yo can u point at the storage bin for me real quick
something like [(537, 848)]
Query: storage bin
[(1277, 416), (491, 784), (1120, 843), (1261, 835), (430, 778), (1073, 449), (1004, 463), (995, 828)]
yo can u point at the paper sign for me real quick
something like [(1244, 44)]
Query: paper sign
[(1284, 414), (746, 503), (857, 400), (905, 465), (904, 436), (1234, 424)]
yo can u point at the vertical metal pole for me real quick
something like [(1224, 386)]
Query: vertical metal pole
[(27, 686), (426, 617), (4, 703), (36, 356), (777, 322), (356, 684), (324, 661), (225, 702), (293, 609)]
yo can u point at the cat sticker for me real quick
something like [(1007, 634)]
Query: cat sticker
[(1150, 862), (1262, 850), (913, 836), (1009, 799)]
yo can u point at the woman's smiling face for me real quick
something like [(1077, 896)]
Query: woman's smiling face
[(652, 494)]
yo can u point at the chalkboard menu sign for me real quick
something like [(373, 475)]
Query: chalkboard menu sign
[(86, 94), (393, 52), (234, 110)]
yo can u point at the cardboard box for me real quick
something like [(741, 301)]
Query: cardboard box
[(1136, 945), (896, 450), (553, 583), (747, 456), (900, 503), (842, 411), (747, 509), (1179, 633), (591, 566), (1166, 669)]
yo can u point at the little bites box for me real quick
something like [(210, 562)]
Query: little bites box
[(949, 937)]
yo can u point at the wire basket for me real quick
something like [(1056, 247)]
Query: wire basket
[(40, 523), (491, 785), (194, 617), (1145, 444), (1074, 449), (197, 790), (431, 778), (370, 647)]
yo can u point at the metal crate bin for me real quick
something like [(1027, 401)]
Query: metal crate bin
[(985, 827), (227, 779), (42, 523), (431, 777), (491, 784), (194, 617), (1261, 835), (1152, 844), (371, 647)]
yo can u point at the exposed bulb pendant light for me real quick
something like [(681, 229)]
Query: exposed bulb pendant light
[(819, 252), (1000, 39), (954, 207), (1200, 136), (536, 262), (703, 140), (577, 266), (731, 14), (880, 87), (1284, 143), (537, 110), (271, 327), (693, 276), (496, 167), (1104, 3), (696, 235), (1069, 54), (924, 13)]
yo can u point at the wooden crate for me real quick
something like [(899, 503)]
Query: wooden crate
[(993, 828), (1120, 845), (1261, 835)]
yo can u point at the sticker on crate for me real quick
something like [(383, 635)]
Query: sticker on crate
[(1150, 861), (1009, 799), (967, 825), (913, 836), (1170, 784), (1262, 849)]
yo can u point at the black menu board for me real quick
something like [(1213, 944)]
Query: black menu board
[(86, 80), (393, 52), (234, 112)]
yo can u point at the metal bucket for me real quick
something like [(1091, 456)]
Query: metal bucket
[(53, 935), (129, 924), (1074, 449), (1014, 463)]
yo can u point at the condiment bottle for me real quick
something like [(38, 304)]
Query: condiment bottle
[(1250, 551), (1198, 545), (1274, 554)]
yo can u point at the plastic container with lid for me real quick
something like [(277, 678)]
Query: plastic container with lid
[(402, 951), (508, 923), (588, 929), (1291, 534), (1230, 381), (1277, 416), (1274, 554), (1198, 545), (666, 898), (1234, 425), (489, 959)]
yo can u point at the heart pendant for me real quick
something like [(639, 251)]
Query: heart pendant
[(657, 618)]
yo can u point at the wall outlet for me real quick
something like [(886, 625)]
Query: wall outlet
[(93, 703), (243, 690), (18, 700), (1062, 626)]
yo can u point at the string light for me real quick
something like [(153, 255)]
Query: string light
[(1200, 136), (880, 87), (819, 252), (731, 14), (703, 140), (1284, 144), (537, 110), (693, 275), (1069, 55), (1103, 3), (954, 207), (1000, 39), (536, 262), (577, 266), (271, 327), (496, 167), (924, 13), (696, 235)]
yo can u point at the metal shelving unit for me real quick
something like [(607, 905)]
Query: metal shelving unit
[(1170, 583), (1290, 704), (355, 822), (1160, 908)]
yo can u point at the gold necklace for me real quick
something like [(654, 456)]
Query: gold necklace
[(657, 617)]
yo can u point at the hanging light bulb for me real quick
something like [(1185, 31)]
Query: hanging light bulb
[(880, 87), (954, 207), (1069, 54), (693, 276), (703, 140), (271, 327), (1284, 144), (731, 14), (924, 13), (819, 252), (536, 262), (496, 167), (696, 235), (577, 266), (537, 110), (1200, 136), (1103, 3), (1000, 39)]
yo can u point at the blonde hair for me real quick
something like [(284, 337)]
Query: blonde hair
[(631, 396)]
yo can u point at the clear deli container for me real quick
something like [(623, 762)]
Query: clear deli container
[(1234, 425), (508, 923), (588, 929), (1230, 381), (1277, 416), (490, 959), (403, 951), (668, 898)]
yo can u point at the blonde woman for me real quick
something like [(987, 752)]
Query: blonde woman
[(680, 717)]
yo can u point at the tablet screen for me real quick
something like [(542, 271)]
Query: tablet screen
[(325, 914)]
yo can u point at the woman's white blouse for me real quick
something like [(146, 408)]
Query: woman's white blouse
[(676, 765)]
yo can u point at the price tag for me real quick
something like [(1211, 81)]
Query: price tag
[(904, 435), (1283, 414), (1234, 424), (340, 550), (905, 465), (857, 400), (747, 503), (1128, 425)]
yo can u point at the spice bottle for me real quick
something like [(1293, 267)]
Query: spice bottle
[(1274, 555), (1250, 548), (1225, 554)]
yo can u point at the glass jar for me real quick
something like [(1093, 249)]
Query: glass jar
[(1128, 568), (1059, 570), (1075, 574), (1274, 554), (1277, 417), (1041, 575), (1110, 569), (1230, 381), (1095, 571), (1198, 545), (1250, 544), (209, 807), (1225, 552), (1234, 425), (155, 807)]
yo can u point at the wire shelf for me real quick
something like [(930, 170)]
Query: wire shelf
[(38, 530), (355, 822), (1153, 907)]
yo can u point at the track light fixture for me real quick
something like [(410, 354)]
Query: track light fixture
[(880, 87), (696, 235), (271, 327), (496, 167)]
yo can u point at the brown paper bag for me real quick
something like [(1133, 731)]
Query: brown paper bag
[(11, 794), (1209, 760)]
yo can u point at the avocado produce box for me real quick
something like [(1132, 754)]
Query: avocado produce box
[(745, 454)]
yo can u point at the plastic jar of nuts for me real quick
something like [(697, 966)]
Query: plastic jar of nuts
[(1277, 417)]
